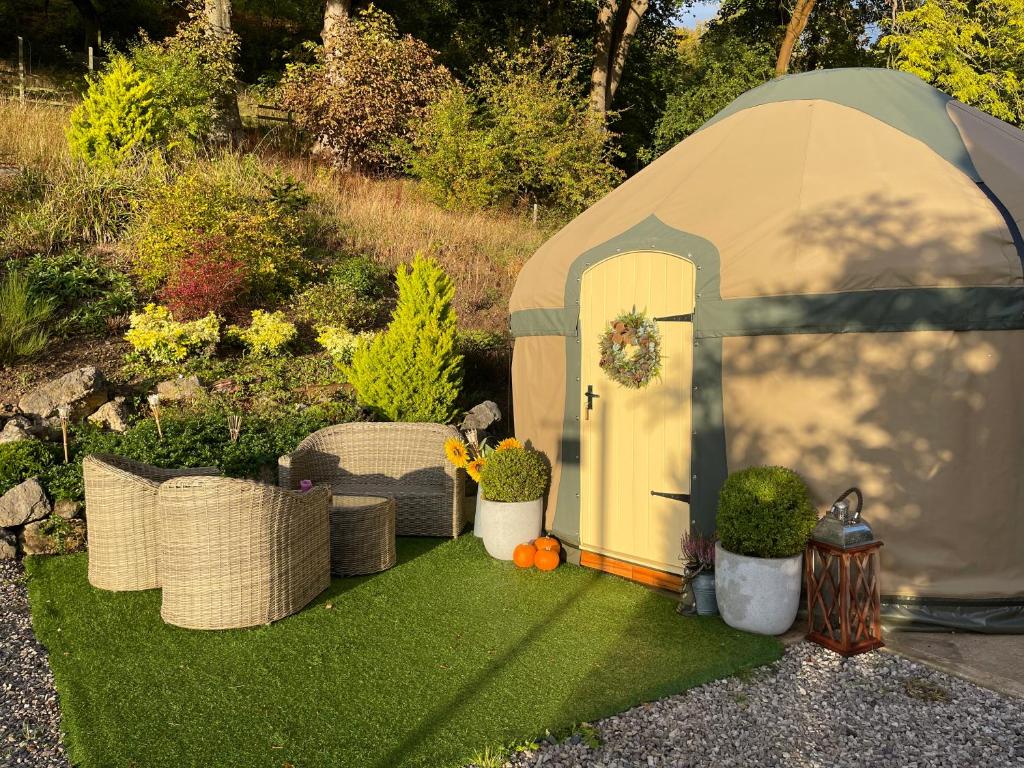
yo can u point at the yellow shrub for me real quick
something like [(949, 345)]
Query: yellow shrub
[(158, 337), (340, 342), (268, 334)]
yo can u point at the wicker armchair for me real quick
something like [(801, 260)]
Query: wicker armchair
[(236, 553), (403, 461), (120, 503)]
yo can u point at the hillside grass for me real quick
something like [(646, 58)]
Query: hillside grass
[(446, 656)]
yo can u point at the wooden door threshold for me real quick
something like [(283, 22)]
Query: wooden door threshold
[(637, 573)]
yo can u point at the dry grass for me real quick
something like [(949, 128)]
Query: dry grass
[(33, 135), (384, 218), (389, 220)]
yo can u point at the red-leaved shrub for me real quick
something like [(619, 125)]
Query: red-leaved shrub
[(209, 279)]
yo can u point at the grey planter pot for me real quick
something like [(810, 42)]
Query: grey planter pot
[(505, 525), (757, 594), (704, 599)]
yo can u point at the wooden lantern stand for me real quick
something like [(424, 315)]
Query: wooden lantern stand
[(843, 597)]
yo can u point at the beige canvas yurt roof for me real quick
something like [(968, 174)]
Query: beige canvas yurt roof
[(836, 180)]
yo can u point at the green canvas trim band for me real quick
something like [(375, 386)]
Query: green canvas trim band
[(898, 99), (543, 322)]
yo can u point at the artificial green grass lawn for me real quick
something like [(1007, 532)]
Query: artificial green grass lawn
[(448, 653)]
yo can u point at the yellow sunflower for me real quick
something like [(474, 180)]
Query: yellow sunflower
[(507, 443), (456, 452), (474, 468)]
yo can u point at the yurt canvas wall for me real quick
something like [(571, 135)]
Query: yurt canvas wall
[(845, 249)]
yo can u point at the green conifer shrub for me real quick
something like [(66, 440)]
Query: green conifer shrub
[(413, 370), (116, 118)]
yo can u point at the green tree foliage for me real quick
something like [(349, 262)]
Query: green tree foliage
[(22, 319), (193, 76), (118, 117), (413, 371), (524, 132), (972, 51), (715, 72), (363, 92)]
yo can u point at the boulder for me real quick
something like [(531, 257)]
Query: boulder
[(8, 544), (481, 416), (83, 391), (112, 415), (70, 537), (24, 503), (181, 388), (67, 509), (17, 428)]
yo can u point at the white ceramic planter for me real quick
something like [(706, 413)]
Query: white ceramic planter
[(505, 525), (757, 594)]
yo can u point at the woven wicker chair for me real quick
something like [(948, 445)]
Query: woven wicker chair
[(403, 461), (120, 503), (236, 553)]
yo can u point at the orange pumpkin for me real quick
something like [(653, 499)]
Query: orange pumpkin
[(547, 544), (546, 560), (523, 555)]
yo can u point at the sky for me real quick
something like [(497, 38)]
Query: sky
[(698, 12)]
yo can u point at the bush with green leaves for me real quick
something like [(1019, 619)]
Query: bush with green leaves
[(263, 220), (515, 475), (86, 290), (118, 117), (23, 319), (765, 512), (716, 70), (23, 459), (525, 131), (268, 334), (192, 73), (353, 296), (340, 343), (366, 89), (413, 371), (156, 336)]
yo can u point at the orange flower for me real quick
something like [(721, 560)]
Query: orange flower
[(456, 452), (507, 443), (475, 468)]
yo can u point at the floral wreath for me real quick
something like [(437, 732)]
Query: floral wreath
[(631, 350)]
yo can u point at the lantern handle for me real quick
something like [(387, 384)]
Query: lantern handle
[(860, 502)]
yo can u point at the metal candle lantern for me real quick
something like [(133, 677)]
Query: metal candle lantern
[(842, 573)]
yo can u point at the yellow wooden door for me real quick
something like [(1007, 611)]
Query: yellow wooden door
[(636, 441)]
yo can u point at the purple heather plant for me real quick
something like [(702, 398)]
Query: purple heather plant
[(698, 552)]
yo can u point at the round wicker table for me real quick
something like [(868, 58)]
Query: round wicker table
[(362, 534)]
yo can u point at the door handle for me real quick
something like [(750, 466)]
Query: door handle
[(590, 395)]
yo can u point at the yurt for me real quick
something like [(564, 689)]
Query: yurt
[(831, 267)]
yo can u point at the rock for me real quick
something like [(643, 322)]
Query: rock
[(17, 428), (113, 415), (181, 388), (481, 416), (24, 503), (83, 391), (65, 539), (8, 544), (67, 509)]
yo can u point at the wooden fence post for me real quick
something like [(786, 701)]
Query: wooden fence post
[(21, 69)]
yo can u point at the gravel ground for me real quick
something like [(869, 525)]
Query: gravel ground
[(29, 716), (811, 709)]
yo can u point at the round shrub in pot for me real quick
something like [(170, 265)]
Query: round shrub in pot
[(513, 482), (765, 517)]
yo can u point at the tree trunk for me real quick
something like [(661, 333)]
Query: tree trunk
[(795, 28), (218, 17), (91, 17), (335, 14), (607, 14), (633, 13)]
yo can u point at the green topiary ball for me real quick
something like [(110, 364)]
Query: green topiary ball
[(515, 474), (765, 512)]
